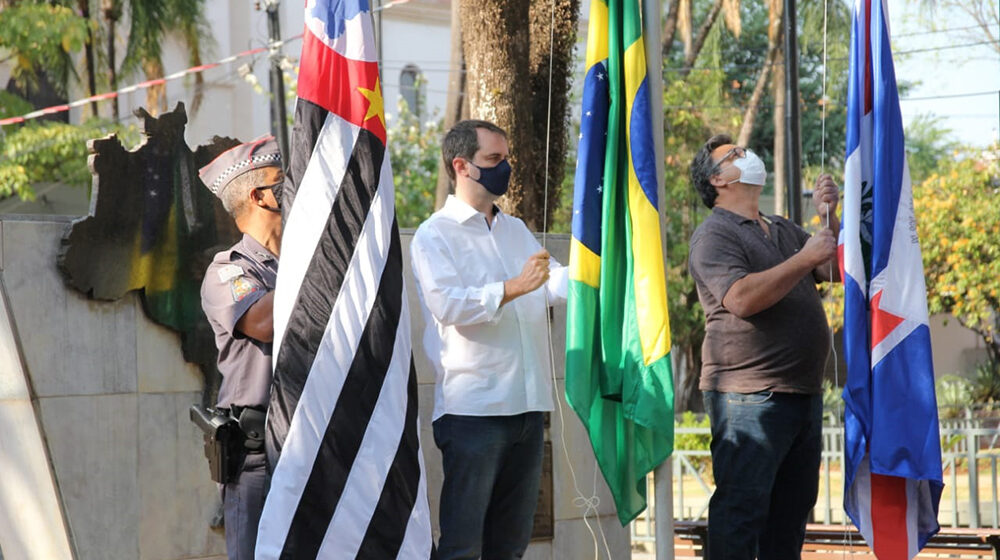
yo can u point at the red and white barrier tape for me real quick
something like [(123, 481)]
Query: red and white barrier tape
[(142, 85), (159, 81)]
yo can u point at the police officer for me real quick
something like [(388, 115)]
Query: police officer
[(237, 296)]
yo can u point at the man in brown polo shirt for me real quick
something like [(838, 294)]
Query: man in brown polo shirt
[(237, 296), (766, 343)]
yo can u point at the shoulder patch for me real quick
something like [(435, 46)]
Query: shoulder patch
[(229, 272), (241, 287)]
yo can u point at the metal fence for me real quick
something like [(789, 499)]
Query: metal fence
[(970, 449)]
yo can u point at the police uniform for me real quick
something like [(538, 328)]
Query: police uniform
[(237, 279)]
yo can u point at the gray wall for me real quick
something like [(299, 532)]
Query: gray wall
[(110, 392), (98, 459)]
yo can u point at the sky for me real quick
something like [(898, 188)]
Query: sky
[(951, 71)]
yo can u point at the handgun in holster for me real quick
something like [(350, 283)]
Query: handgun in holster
[(223, 441)]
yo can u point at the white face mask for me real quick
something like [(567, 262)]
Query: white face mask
[(752, 171)]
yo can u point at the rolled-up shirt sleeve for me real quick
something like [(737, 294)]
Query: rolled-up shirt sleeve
[(441, 288)]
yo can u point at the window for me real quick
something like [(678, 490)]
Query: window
[(411, 89)]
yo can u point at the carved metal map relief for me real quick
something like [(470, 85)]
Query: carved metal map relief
[(153, 227)]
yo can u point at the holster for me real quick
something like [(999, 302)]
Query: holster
[(223, 442), (251, 423)]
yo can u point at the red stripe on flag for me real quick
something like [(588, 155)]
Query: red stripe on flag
[(840, 262), (890, 540), (335, 82), (868, 57), (883, 322)]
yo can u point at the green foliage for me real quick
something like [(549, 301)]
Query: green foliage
[(815, 137), (959, 229), (985, 387), (833, 405), (41, 37), (695, 442), (51, 151), (152, 20), (12, 105), (953, 394), (737, 61), (415, 148), (927, 145)]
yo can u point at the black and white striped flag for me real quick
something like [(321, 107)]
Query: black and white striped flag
[(342, 429)]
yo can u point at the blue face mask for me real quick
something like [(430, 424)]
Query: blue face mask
[(495, 179)]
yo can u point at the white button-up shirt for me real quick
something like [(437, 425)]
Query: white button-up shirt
[(490, 360)]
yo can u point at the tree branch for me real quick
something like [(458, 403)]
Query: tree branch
[(699, 40)]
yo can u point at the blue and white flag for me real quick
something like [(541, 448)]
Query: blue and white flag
[(893, 477)]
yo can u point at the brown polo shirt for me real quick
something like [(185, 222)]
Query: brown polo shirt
[(783, 348), (237, 278)]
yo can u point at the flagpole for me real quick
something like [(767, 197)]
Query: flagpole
[(793, 134), (663, 498), (279, 118)]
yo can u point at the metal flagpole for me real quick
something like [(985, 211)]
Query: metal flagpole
[(793, 135), (663, 498), (279, 118)]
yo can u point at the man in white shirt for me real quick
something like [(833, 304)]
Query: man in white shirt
[(485, 287)]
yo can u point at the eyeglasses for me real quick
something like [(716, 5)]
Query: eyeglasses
[(737, 151)]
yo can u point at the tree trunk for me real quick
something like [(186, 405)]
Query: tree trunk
[(669, 28), (500, 58), (455, 100), (775, 30), (699, 40), (685, 22), (687, 396), (750, 115), (88, 55), (550, 63), (112, 13), (495, 42), (778, 85), (156, 95), (199, 85)]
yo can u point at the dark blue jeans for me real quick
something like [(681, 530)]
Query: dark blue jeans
[(765, 456), (492, 468), (244, 502)]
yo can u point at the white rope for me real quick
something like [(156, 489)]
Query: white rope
[(848, 536), (822, 137), (589, 504)]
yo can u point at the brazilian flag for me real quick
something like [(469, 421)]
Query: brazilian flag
[(618, 375)]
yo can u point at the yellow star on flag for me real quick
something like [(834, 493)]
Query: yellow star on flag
[(374, 96)]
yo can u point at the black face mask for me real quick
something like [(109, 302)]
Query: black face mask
[(276, 190), (495, 179)]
